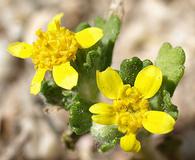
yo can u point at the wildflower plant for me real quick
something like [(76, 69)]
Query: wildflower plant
[(141, 92), (130, 108), (80, 63)]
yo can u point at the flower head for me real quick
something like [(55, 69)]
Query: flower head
[(53, 50), (130, 109)]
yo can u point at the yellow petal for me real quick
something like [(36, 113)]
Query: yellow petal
[(104, 119), (89, 36), (36, 81), (129, 143), (158, 122), (20, 49), (109, 83), (65, 76), (101, 108), (148, 81), (55, 22)]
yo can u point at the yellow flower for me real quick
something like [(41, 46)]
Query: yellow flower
[(53, 50), (130, 109)]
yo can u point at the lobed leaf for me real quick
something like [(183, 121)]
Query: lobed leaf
[(52, 93), (171, 62), (80, 117), (162, 102), (58, 96), (129, 69)]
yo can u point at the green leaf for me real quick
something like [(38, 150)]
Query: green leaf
[(80, 117), (58, 96), (107, 146), (162, 102), (111, 29), (70, 97), (52, 93), (129, 69), (168, 106), (99, 22), (146, 63), (106, 135), (171, 62)]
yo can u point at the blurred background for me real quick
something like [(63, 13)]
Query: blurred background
[(29, 130)]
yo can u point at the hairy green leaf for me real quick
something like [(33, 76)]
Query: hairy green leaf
[(52, 93), (171, 62), (58, 96), (147, 62), (80, 117), (168, 106), (129, 69), (162, 102), (111, 29), (107, 146)]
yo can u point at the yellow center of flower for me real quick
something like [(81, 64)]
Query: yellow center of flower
[(54, 47), (130, 108)]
